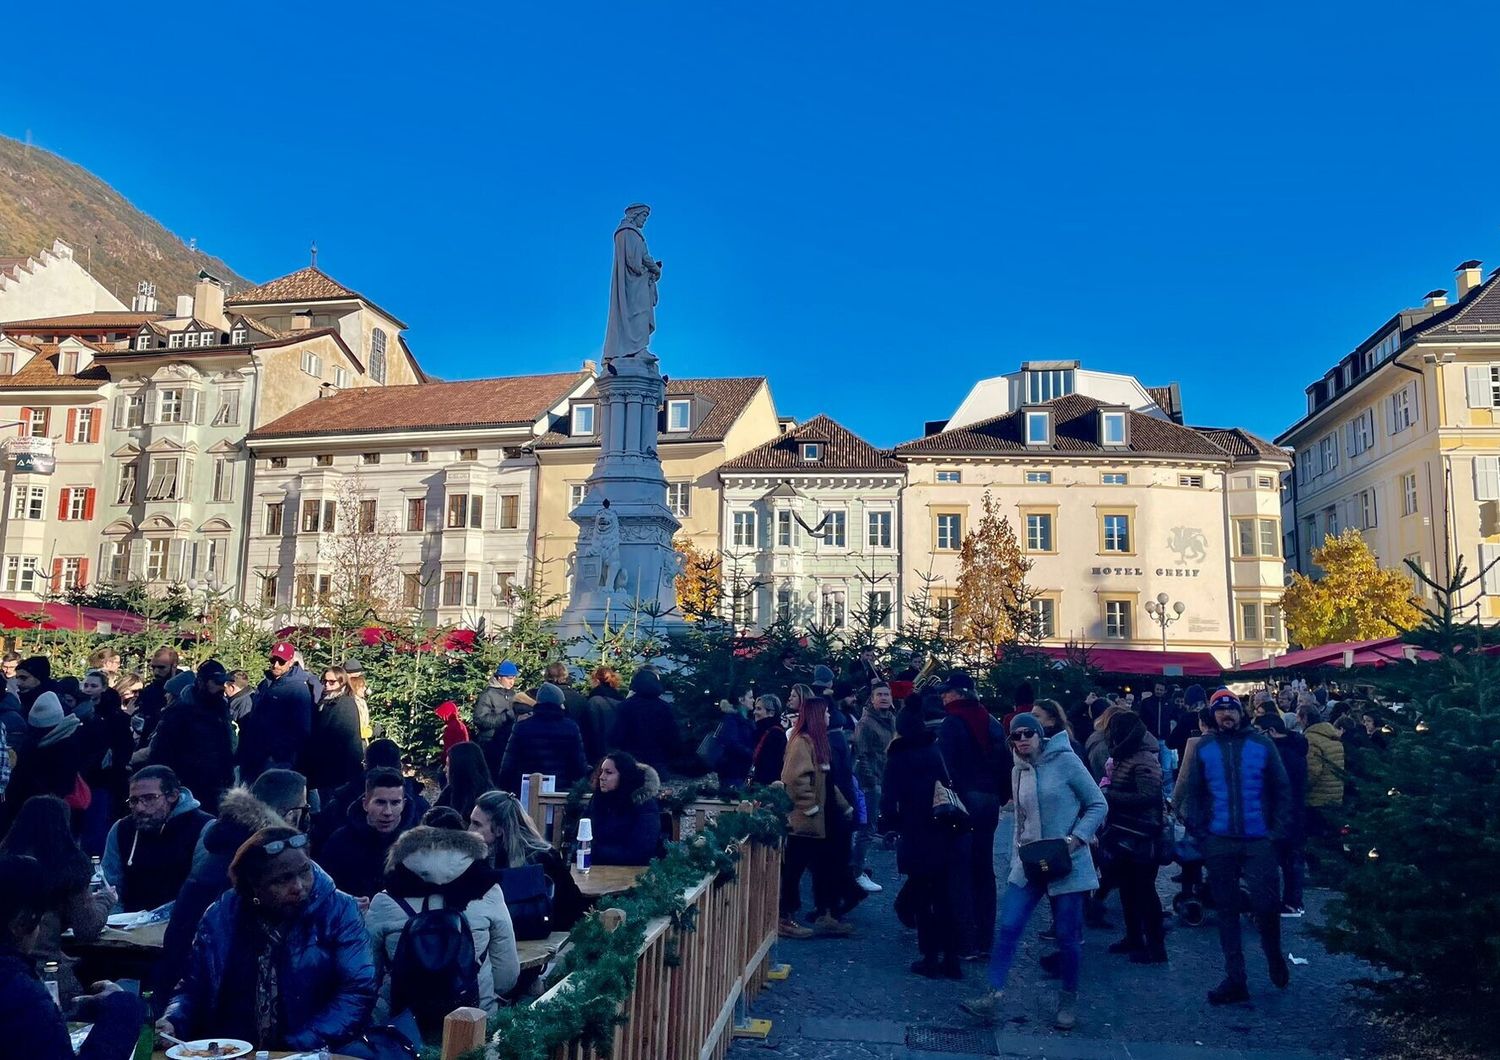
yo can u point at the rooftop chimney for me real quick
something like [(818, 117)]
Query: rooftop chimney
[(1469, 277), (184, 305), (208, 301), (1436, 299)]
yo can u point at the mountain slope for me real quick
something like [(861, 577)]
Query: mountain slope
[(44, 197)]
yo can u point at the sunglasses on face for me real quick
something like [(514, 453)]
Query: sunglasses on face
[(276, 846), (1017, 737)]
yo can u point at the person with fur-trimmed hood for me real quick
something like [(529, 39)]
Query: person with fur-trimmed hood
[(625, 812), (440, 868)]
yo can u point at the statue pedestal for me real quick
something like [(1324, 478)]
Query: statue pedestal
[(624, 567)]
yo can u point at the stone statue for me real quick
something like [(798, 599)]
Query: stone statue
[(632, 296), (605, 546)]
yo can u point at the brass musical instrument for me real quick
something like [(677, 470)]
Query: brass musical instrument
[(928, 675)]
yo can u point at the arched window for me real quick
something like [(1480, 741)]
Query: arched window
[(377, 355)]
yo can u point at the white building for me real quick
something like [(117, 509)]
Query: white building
[(50, 284), (811, 527)]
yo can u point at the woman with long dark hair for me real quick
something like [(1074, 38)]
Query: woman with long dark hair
[(41, 830), (806, 777), (624, 810), (335, 749), (468, 778)]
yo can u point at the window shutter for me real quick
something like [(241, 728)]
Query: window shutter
[(122, 412), (62, 504), (25, 423), (83, 569), (1477, 384), (94, 425), (1487, 478), (57, 576), (174, 560), (1488, 555), (88, 504), (72, 425)]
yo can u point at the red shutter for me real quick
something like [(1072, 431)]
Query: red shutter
[(94, 424), (72, 425), (88, 504), (57, 576), (83, 567), (25, 422), (62, 504)]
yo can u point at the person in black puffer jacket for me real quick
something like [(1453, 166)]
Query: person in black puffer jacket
[(645, 725), (928, 856), (598, 720), (194, 740), (1132, 832), (335, 749), (625, 813), (545, 741)]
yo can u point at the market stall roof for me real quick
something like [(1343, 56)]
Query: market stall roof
[(1379, 651), (14, 615), (1143, 661)]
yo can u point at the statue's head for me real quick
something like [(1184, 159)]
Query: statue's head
[(604, 520), (636, 214)]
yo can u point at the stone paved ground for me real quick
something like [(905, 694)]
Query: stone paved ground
[(857, 999)]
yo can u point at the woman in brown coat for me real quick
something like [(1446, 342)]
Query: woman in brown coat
[(1132, 834), (805, 775)]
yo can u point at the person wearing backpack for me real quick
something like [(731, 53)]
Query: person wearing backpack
[(978, 759), (441, 929)]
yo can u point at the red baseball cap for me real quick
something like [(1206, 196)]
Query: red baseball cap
[(283, 650)]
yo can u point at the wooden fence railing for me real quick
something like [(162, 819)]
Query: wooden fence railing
[(688, 982)]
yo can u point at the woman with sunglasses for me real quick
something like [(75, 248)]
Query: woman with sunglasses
[(335, 750), (1055, 798), (281, 961)]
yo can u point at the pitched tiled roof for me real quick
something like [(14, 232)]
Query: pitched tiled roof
[(40, 373), (509, 401), (1476, 317), (1240, 444), (311, 284), (80, 321), (727, 399), (843, 450), (1075, 430)]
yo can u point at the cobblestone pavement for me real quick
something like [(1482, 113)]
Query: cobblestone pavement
[(856, 999)]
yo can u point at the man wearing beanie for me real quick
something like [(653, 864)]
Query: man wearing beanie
[(545, 741), (193, 737), (48, 761), (1237, 800)]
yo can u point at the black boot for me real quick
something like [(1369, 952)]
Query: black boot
[(1156, 953), (927, 967), (1228, 993), (1126, 945), (951, 969), (1052, 965)]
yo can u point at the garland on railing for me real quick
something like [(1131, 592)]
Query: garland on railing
[(676, 798), (603, 963)]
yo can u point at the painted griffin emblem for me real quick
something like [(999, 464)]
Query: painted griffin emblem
[(1189, 543)]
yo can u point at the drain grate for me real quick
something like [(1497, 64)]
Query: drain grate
[(971, 1040)]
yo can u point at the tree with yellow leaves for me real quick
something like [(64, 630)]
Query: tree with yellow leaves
[(994, 601), (700, 585), (1355, 599)]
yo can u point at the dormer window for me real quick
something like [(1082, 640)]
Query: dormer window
[(583, 420), (67, 362), (143, 341), (1038, 426), (1114, 429), (238, 336), (679, 415), (812, 452), (174, 340), (1045, 384)]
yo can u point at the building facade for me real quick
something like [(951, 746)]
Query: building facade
[(1401, 441), (50, 284), (702, 423), (811, 531), (437, 478), (1113, 506)]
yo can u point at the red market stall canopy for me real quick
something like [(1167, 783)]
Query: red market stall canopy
[(1140, 661), (14, 614), (1378, 652)]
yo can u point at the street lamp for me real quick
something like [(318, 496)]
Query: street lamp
[(1163, 612)]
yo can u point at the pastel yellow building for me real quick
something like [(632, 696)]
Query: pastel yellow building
[(1401, 441)]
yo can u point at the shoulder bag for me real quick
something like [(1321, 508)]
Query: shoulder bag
[(948, 811)]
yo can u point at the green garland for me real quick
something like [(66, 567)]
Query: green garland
[(603, 963)]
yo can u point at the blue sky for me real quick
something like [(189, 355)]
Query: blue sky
[(873, 204)]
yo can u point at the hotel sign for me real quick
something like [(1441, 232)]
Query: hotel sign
[(1139, 572)]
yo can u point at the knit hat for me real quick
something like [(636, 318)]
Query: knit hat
[(46, 712), (508, 669), (646, 683), (1194, 696), (353, 666), (38, 666), (213, 670), (1223, 699), (1026, 720), (822, 677), (547, 692)]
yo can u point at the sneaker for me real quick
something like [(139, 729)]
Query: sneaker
[(790, 929), (1291, 910), (867, 885), (985, 1007), (826, 925), (1281, 975), (1228, 993), (1067, 1009)]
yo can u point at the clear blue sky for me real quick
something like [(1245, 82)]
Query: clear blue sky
[(872, 204)]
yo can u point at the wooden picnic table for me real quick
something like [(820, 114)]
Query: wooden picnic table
[(608, 879), (118, 954), (535, 953)]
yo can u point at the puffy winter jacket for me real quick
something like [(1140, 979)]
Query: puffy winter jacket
[(1238, 787), (627, 831), (645, 725), (445, 869), (335, 749), (1067, 802), (35, 1028), (276, 730), (598, 721), (325, 974), (1135, 787), (545, 741), (193, 738), (1325, 765)]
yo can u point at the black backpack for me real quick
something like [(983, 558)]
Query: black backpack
[(434, 970), (528, 894)]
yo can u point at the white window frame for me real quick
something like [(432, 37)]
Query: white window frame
[(577, 491), (1250, 620), (674, 406), (743, 529), (680, 498), (78, 503), (21, 574), (377, 355), (128, 488), (835, 532), (1409, 498), (833, 610), (583, 419), (418, 456), (1118, 621), (812, 452), (1039, 478), (880, 528), (949, 476), (223, 485), (947, 531), (341, 377), (1038, 422), (786, 529), (83, 425), (1120, 536), (228, 412), (1402, 415), (1112, 430), (30, 503), (1114, 478), (1044, 617), (38, 422), (312, 364), (1040, 532), (1194, 482), (158, 556)]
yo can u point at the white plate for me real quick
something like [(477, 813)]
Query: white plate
[(128, 920), (240, 1048)]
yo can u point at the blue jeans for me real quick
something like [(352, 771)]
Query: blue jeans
[(1016, 907)]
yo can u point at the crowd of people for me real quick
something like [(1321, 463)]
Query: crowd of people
[(293, 856)]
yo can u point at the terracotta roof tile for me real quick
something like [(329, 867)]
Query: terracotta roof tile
[(1476, 317), (843, 450), (80, 321), (1240, 444), (508, 401), (1075, 430), (305, 285), (727, 399), (40, 373)]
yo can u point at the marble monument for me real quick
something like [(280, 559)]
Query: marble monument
[(625, 565)]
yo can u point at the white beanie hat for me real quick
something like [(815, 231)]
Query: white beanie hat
[(46, 712)]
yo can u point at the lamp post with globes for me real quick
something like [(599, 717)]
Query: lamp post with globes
[(1164, 612)]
